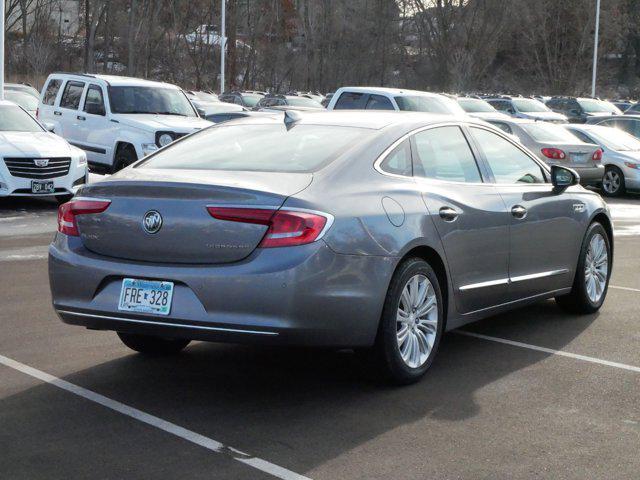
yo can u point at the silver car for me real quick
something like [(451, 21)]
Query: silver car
[(371, 230), (620, 157), (555, 145)]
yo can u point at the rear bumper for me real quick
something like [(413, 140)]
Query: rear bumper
[(305, 295), (590, 175)]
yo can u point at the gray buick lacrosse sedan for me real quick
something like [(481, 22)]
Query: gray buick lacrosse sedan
[(370, 230)]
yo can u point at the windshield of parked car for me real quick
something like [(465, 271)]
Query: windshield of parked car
[(259, 148), (527, 105), (251, 100), (206, 97), (475, 105), (164, 101), (598, 106), (25, 100), (549, 133), (423, 103), (615, 139), (14, 119), (303, 102)]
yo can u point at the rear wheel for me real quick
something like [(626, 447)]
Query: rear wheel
[(125, 156), (592, 276), (613, 182), (152, 345), (411, 324)]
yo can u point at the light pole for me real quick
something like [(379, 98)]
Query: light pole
[(223, 43), (1, 49), (595, 50)]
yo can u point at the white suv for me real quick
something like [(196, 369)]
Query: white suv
[(380, 98), (116, 120)]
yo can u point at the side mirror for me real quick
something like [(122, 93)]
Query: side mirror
[(50, 127), (95, 109), (563, 177)]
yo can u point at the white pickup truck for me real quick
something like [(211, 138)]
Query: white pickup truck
[(116, 120)]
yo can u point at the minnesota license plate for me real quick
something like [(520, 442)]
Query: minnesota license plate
[(38, 186), (146, 296)]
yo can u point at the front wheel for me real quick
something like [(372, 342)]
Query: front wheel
[(613, 182), (592, 276), (411, 324), (153, 345)]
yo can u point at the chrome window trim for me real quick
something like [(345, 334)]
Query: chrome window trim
[(167, 324)]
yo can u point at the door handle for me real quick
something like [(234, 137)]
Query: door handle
[(448, 214), (80, 117), (57, 113), (518, 211)]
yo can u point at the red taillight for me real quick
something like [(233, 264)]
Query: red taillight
[(286, 227), (554, 153), (67, 213), (597, 155)]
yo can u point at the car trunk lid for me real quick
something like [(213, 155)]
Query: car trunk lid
[(178, 200)]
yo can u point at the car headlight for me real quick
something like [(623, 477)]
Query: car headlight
[(164, 138)]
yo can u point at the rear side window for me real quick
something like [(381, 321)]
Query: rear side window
[(508, 163), (582, 136), (259, 148), (444, 154), (51, 92), (71, 95), (398, 161), (378, 102), (349, 101), (503, 126)]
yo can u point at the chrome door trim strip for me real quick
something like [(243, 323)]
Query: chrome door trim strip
[(166, 324), (490, 283), (533, 276), (519, 278)]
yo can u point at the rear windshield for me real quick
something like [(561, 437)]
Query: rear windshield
[(529, 105), (545, 132), (423, 103), (303, 102), (475, 105), (616, 139), (598, 106), (14, 119), (259, 148), (251, 100)]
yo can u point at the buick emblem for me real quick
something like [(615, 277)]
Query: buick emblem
[(41, 162), (152, 221)]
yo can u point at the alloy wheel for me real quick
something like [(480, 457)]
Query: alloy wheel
[(417, 321), (611, 181), (596, 268)]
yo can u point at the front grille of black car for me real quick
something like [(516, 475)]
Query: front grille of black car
[(27, 168)]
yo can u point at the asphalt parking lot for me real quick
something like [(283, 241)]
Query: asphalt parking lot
[(535, 393)]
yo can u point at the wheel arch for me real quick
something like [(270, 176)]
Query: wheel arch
[(603, 219)]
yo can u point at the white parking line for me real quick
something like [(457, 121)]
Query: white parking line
[(629, 289), (575, 356), (172, 428)]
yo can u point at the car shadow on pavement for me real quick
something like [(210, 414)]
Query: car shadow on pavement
[(300, 408)]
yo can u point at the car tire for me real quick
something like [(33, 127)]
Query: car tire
[(589, 290), (125, 156), (405, 362), (153, 345), (613, 182)]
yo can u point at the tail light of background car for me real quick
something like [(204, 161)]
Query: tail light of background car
[(67, 213), (554, 153), (287, 228), (597, 155)]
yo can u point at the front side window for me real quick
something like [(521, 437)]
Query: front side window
[(14, 119), (259, 148), (349, 101), (398, 161), (443, 154), (51, 92), (154, 100), (71, 95), (94, 102), (378, 102), (508, 163)]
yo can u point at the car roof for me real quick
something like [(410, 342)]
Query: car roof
[(370, 119), (116, 80), (396, 92)]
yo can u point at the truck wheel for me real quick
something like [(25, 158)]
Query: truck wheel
[(125, 156)]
